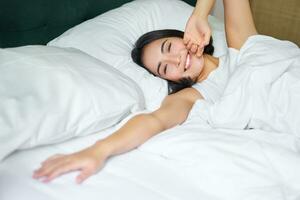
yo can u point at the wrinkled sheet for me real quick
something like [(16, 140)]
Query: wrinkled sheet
[(191, 161), (264, 90)]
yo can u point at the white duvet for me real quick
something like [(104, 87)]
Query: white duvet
[(194, 161), (264, 90), (191, 161)]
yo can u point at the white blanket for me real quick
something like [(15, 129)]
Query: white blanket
[(193, 161), (190, 161), (264, 90)]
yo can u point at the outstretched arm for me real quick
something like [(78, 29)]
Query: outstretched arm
[(239, 24), (173, 111)]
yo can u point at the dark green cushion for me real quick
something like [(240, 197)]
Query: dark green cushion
[(39, 21)]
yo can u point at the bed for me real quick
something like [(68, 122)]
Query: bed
[(92, 59)]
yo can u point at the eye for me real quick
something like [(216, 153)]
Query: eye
[(165, 69), (169, 47)]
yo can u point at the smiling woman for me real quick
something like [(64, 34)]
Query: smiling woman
[(163, 53), (220, 81)]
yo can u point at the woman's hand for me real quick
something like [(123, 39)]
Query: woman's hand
[(197, 34), (87, 161)]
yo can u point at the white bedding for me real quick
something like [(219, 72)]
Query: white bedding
[(263, 92), (190, 161), (110, 37)]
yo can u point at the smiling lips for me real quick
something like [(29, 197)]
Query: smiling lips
[(187, 62)]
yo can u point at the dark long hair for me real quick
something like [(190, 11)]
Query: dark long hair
[(136, 54)]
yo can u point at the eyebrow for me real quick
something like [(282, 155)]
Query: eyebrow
[(162, 51)]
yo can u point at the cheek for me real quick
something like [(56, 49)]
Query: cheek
[(149, 65), (197, 66), (174, 74)]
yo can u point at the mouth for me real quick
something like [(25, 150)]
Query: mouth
[(187, 62)]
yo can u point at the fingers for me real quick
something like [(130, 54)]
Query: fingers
[(197, 48), (84, 175), (186, 40), (57, 171), (87, 160), (58, 165), (199, 52), (45, 169), (53, 167), (194, 48), (189, 45)]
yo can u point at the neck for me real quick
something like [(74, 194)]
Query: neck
[(210, 64)]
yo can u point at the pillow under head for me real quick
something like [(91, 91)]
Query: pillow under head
[(111, 36)]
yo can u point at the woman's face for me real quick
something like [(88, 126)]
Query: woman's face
[(169, 59)]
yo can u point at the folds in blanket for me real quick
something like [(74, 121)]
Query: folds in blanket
[(263, 93)]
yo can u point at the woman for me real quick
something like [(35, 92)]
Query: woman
[(174, 59), (170, 41)]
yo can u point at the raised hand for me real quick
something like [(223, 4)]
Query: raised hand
[(197, 34)]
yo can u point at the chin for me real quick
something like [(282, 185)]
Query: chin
[(197, 66)]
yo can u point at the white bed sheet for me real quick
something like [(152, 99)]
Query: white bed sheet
[(190, 161)]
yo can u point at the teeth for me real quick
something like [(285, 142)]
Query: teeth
[(187, 61)]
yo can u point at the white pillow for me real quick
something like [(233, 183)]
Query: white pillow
[(50, 94), (111, 36)]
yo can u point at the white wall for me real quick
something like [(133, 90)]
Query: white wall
[(218, 10)]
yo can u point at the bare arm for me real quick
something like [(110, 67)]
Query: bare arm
[(203, 8), (239, 24), (173, 111)]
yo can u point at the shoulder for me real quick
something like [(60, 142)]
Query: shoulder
[(187, 94)]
